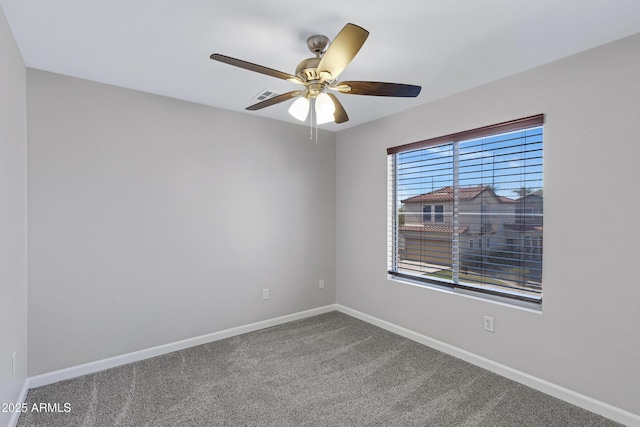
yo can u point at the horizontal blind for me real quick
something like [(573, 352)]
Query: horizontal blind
[(489, 238)]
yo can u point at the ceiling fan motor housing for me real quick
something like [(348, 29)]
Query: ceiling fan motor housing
[(307, 70)]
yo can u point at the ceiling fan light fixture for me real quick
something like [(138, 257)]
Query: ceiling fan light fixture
[(324, 109), (324, 118), (324, 105), (300, 109)]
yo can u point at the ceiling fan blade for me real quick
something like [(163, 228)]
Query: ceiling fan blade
[(255, 67), (339, 114), (341, 51), (275, 100), (378, 89)]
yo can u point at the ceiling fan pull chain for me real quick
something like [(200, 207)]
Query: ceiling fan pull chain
[(313, 116)]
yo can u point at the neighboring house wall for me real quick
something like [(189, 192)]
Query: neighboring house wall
[(485, 228), (422, 241), (528, 209)]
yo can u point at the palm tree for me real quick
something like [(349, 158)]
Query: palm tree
[(523, 191)]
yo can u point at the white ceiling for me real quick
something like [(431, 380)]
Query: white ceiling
[(446, 46)]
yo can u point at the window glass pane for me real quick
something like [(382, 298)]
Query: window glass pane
[(426, 213), (439, 216)]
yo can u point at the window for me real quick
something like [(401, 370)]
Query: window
[(488, 186), (426, 213), (439, 216)]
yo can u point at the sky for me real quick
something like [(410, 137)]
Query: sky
[(507, 161)]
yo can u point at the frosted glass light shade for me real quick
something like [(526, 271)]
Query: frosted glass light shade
[(324, 105), (324, 109), (324, 118), (300, 109)]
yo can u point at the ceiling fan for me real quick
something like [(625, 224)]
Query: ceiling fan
[(319, 75)]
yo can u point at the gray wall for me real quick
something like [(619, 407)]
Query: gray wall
[(153, 220), (13, 218), (586, 338)]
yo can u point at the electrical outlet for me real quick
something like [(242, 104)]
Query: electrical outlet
[(488, 324), (265, 294), (13, 364), (321, 283)]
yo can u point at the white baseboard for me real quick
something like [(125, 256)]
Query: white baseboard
[(609, 411), (13, 421), (112, 362)]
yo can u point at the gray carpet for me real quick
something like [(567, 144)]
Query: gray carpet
[(328, 370)]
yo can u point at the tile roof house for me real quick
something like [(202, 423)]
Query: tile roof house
[(487, 223), (445, 194)]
